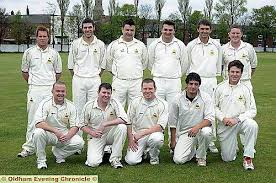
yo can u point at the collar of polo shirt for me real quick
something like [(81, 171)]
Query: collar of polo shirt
[(96, 106), (196, 97), (93, 42), (210, 41), (40, 49), (160, 40), (242, 45), (153, 102), (63, 105), (121, 40)]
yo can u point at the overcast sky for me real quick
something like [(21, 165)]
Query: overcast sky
[(39, 6)]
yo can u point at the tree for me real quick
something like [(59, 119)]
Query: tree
[(208, 10), (3, 23), (51, 10), (74, 21), (231, 10), (264, 21), (192, 22), (16, 29), (185, 11), (145, 12), (222, 29), (127, 10), (159, 4), (113, 8), (87, 6), (27, 31), (63, 7)]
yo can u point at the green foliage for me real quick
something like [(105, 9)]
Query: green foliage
[(14, 120), (127, 10), (192, 23), (264, 22)]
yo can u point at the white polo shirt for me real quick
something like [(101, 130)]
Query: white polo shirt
[(145, 114), (245, 53), (234, 101), (85, 59), (42, 65), (126, 60), (205, 59), (185, 114), (62, 117), (167, 60), (92, 115)]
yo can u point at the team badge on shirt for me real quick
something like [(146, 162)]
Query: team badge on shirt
[(122, 50), (173, 51), (240, 97), (95, 50), (111, 113), (49, 60), (243, 55), (65, 120), (197, 106), (212, 52), (136, 51)]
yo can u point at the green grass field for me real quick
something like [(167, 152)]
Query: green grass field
[(13, 122)]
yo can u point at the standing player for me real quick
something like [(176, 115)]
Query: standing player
[(86, 64), (41, 68), (104, 121), (236, 49), (148, 117), (57, 123), (235, 110), (190, 119), (204, 55), (126, 58), (167, 62)]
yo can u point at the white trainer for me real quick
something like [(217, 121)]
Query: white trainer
[(24, 153), (108, 149), (248, 164), (60, 160), (201, 162), (116, 164), (41, 165), (213, 148), (154, 161)]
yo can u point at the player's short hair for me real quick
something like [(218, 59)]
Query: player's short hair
[(128, 22), (193, 77), (204, 22), (148, 80), (41, 28), (59, 83), (87, 20), (106, 86), (237, 64), (235, 26), (169, 22)]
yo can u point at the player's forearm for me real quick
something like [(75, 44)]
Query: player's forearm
[(25, 75), (203, 124), (173, 134), (43, 125), (114, 122), (72, 131), (72, 72), (58, 75)]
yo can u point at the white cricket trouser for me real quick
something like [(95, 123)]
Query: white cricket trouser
[(185, 148), (209, 85), (115, 137), (152, 143), (34, 96), (167, 88), (126, 90), (60, 150), (228, 139), (84, 90)]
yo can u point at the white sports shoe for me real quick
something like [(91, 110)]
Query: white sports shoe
[(108, 149), (41, 165), (201, 162), (213, 148), (154, 161), (247, 163), (60, 160), (116, 164), (24, 153)]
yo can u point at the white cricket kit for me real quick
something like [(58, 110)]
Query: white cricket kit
[(62, 117), (167, 63), (42, 67), (205, 60), (143, 115), (184, 115), (235, 101), (126, 61), (86, 60), (92, 116), (246, 54)]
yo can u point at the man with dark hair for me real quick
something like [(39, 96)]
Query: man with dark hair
[(57, 123), (190, 119), (148, 117), (236, 49), (126, 59), (41, 68), (205, 56), (235, 109), (86, 64), (104, 121)]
